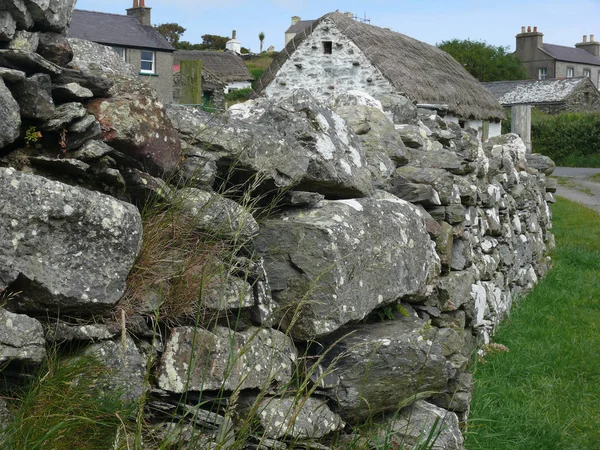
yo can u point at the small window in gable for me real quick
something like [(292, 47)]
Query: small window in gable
[(327, 47)]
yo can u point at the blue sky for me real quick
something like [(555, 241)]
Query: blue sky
[(432, 21)]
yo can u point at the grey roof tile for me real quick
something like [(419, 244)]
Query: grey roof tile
[(571, 54), (225, 65), (299, 26), (534, 91)]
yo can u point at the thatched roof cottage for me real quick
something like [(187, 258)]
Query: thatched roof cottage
[(336, 53)]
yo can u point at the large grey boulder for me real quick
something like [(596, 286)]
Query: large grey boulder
[(8, 26), (10, 117), (19, 12), (21, 338), (92, 58), (196, 359), (34, 96), (63, 247), (383, 366), (336, 263), (51, 15)]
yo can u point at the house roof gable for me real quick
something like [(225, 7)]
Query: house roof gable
[(554, 90), (299, 26), (224, 65), (424, 73), (570, 54), (116, 30)]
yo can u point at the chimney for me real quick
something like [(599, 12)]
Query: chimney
[(295, 20), (592, 46), (233, 34), (528, 42), (140, 12), (349, 14)]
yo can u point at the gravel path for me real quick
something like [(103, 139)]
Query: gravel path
[(574, 184)]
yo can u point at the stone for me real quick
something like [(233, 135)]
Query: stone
[(413, 192), (296, 418), (382, 365), (70, 92), (64, 115), (401, 109), (99, 85), (10, 117), (34, 96), (454, 289), (413, 136), (64, 248), (455, 214), (134, 122), (81, 131), (335, 264), (417, 422), (225, 359), (198, 168), (229, 293), (56, 48), (11, 75), (443, 245), (25, 41), (216, 214), (458, 395), (51, 15), (127, 366), (60, 332), (96, 59), (30, 63), (19, 12), (64, 166), (91, 150), (6, 416), (462, 254), (8, 26), (144, 188), (541, 162), (440, 159), (302, 199), (439, 179), (21, 338)]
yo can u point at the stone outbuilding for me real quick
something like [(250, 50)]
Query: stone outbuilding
[(337, 53), (552, 96)]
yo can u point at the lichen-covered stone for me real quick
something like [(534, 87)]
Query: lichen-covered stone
[(34, 96), (30, 63), (21, 338), (335, 264), (55, 48), (64, 248), (8, 26), (198, 359), (51, 15), (10, 118), (25, 41)]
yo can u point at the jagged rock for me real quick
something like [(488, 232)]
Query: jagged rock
[(458, 395), (134, 122), (228, 293), (335, 264), (455, 214), (440, 180), (443, 245), (454, 289), (440, 159), (66, 248), (63, 115), (402, 110), (91, 150), (414, 136), (99, 85), (61, 332), (225, 359), (8, 26), (302, 198), (34, 96), (66, 166), (381, 365), (18, 10), (504, 153), (92, 58), (81, 131), (541, 162), (55, 48), (30, 63), (144, 188), (25, 41), (217, 214), (418, 421), (198, 168), (413, 192), (70, 92), (462, 254), (10, 119), (21, 338), (296, 418), (51, 15), (11, 75), (127, 365), (6, 416)]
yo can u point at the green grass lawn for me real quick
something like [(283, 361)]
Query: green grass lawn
[(545, 392)]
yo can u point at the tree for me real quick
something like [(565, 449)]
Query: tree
[(261, 38), (214, 42), (171, 32), (485, 62)]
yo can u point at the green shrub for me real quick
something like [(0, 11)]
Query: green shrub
[(238, 95), (256, 73)]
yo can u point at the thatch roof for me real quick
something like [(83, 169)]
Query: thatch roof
[(224, 65), (422, 72), (552, 90)]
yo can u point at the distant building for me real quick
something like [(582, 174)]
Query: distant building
[(337, 53), (134, 39), (543, 61), (552, 95), (298, 25), (233, 45)]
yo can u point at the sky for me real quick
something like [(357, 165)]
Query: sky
[(432, 21)]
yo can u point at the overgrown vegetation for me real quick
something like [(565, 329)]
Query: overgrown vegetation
[(257, 66), (238, 95), (544, 393)]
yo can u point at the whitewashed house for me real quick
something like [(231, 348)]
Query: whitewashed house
[(337, 53)]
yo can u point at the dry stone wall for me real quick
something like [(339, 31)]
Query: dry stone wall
[(364, 251)]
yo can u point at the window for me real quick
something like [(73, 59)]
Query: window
[(570, 72), (147, 62), (120, 51), (542, 73), (327, 47), (587, 73)]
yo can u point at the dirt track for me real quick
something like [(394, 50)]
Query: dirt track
[(574, 184)]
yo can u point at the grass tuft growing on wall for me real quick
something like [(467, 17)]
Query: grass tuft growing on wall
[(545, 392)]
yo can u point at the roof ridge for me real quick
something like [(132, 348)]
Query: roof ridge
[(105, 13)]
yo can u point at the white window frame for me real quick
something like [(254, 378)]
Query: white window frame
[(587, 73), (153, 62), (570, 72), (542, 73), (121, 51)]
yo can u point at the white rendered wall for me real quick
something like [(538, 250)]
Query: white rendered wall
[(495, 129), (233, 85)]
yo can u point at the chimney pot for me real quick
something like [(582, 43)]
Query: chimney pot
[(136, 4), (535, 29), (585, 38), (295, 19), (522, 29), (233, 34), (529, 29), (591, 38), (142, 3)]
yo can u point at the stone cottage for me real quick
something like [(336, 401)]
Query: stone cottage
[(336, 53), (552, 96)]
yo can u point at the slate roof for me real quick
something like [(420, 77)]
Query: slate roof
[(571, 54), (116, 30), (554, 90), (422, 72), (224, 65), (299, 26)]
